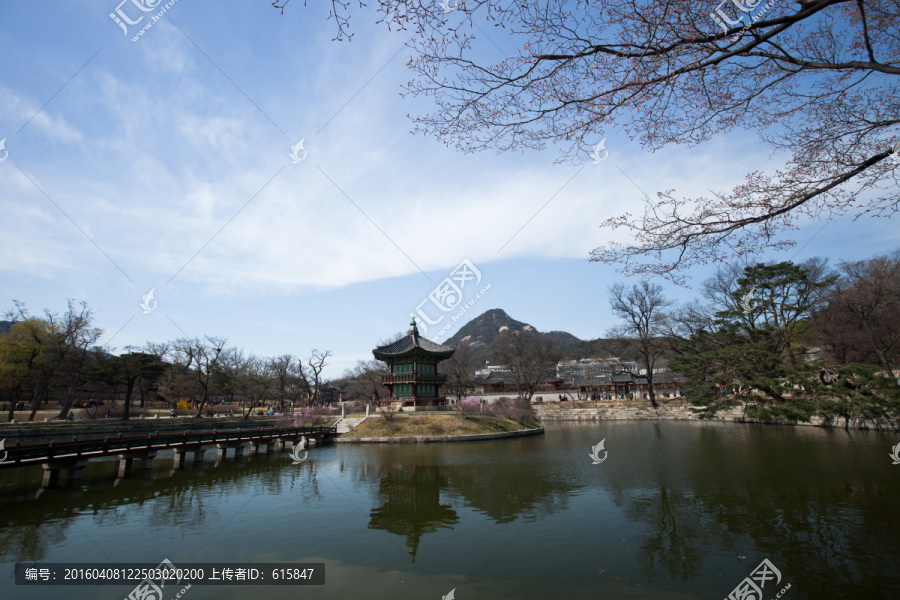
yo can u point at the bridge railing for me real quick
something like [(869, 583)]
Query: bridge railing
[(47, 451)]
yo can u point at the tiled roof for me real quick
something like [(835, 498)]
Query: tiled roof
[(627, 378), (412, 343)]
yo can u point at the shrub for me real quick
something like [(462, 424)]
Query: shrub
[(517, 409), (469, 407)]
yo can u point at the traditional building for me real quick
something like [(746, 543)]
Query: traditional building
[(413, 362), (504, 382)]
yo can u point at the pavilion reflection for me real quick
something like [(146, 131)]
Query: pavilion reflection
[(409, 499)]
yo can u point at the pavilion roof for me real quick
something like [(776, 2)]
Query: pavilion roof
[(412, 344)]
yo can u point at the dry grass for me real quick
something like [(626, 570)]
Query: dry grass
[(415, 425)]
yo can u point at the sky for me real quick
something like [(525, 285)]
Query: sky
[(171, 163)]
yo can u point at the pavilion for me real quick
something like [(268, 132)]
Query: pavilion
[(413, 364)]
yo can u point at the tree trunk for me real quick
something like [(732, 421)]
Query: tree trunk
[(126, 411), (36, 400), (15, 402)]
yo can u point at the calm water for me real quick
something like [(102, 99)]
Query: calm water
[(678, 510)]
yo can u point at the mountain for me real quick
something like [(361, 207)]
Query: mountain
[(482, 330), (563, 338)]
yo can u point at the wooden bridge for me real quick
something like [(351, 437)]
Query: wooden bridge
[(74, 456)]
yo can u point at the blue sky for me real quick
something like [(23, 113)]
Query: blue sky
[(164, 164)]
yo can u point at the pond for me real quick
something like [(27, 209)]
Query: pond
[(676, 510)]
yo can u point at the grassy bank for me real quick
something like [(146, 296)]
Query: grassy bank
[(425, 425)]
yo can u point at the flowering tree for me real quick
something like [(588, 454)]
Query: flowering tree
[(817, 80)]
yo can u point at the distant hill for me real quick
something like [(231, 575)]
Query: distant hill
[(563, 338), (483, 329)]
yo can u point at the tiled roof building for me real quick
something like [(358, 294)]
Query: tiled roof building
[(413, 364)]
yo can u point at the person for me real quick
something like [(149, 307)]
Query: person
[(71, 416), (173, 413), (108, 414)]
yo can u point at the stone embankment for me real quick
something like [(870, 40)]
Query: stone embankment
[(419, 439), (682, 411)]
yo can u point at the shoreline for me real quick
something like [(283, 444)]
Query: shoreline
[(684, 413), (420, 439)]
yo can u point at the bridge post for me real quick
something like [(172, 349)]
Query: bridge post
[(76, 470), (279, 444), (179, 458), (147, 462), (125, 463), (51, 474), (199, 454), (238, 451)]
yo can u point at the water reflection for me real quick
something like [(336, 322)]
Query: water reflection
[(409, 501), (679, 509)]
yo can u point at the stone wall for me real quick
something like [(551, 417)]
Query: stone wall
[(681, 411)]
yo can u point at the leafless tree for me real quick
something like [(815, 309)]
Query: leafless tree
[(313, 370), (199, 363), (817, 79), (530, 356), (642, 308), (288, 377), (868, 296), (460, 370), (366, 379), (251, 376)]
